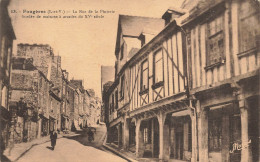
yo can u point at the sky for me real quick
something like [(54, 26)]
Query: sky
[(84, 44)]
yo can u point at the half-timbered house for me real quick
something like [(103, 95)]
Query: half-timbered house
[(158, 120), (223, 66), (192, 88)]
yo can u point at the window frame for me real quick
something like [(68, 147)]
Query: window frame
[(214, 39), (122, 86), (113, 102), (240, 29), (159, 83), (144, 90), (116, 99), (147, 137)]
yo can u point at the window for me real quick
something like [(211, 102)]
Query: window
[(145, 135), (116, 99), (215, 42), (51, 104), (4, 97), (2, 52), (249, 26), (40, 83), (122, 52), (158, 67), (147, 132), (144, 76), (8, 58), (122, 87), (113, 102)]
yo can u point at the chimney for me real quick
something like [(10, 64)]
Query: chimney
[(171, 14), (146, 35)]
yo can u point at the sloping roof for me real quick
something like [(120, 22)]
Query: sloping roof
[(198, 7), (189, 4), (132, 52), (148, 30), (134, 25)]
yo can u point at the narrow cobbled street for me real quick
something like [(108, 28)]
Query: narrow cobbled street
[(74, 148)]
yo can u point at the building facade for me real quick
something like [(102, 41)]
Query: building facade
[(223, 65), (65, 101), (189, 92), (7, 36), (27, 100), (107, 75), (36, 92)]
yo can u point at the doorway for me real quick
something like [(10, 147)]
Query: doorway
[(156, 144)]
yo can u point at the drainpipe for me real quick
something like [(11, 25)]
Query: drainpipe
[(194, 156), (194, 151)]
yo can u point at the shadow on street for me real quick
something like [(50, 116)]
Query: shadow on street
[(50, 148), (4, 159)]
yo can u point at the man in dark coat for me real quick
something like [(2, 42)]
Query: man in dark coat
[(53, 137)]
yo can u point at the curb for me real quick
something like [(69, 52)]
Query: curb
[(116, 151)]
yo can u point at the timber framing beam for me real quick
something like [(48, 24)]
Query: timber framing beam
[(166, 105)]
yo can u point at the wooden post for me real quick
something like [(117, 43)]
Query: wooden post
[(202, 133), (39, 128), (152, 136), (126, 134), (137, 137), (245, 152), (225, 139), (161, 118), (193, 134)]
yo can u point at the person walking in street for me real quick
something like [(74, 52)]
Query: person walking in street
[(53, 137)]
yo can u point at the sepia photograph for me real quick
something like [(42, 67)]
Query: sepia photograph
[(129, 80)]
